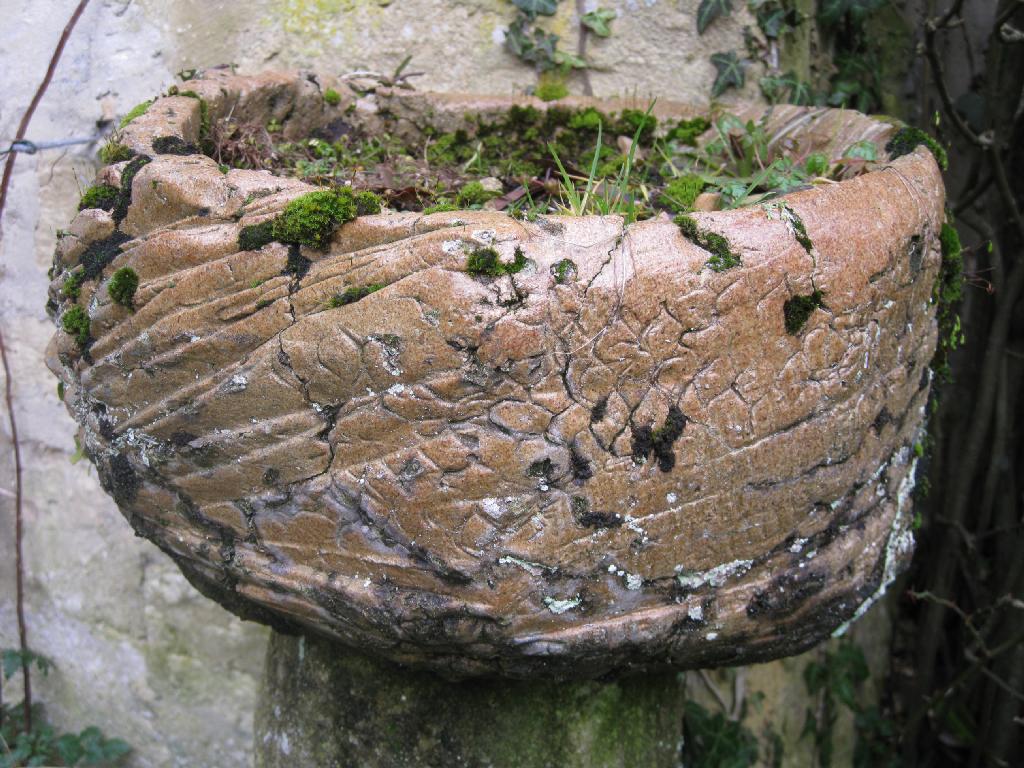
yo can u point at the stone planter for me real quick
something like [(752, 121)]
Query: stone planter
[(637, 461)]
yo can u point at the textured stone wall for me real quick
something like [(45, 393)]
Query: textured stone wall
[(139, 652)]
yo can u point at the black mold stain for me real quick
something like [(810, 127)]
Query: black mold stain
[(659, 442)]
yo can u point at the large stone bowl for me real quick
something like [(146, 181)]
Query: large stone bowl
[(637, 465)]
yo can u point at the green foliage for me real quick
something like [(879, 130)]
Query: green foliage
[(43, 745), (722, 257), (709, 10), (615, 196), (799, 308), (12, 660), (946, 294), (773, 16), (122, 286), (532, 44), (680, 193), (816, 164), (98, 196), (353, 294), (312, 219), (76, 323), (255, 236), (837, 681), (730, 72), (114, 152), (484, 262), (534, 7), (598, 21), (786, 89), (715, 741), (906, 139), (72, 287), (332, 97), (835, 12), (136, 111)]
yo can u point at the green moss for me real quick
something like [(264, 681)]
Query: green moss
[(722, 257), (60, 391), (255, 236), (367, 203), (551, 89), (632, 120), (122, 286), (332, 97), (563, 271), (98, 196), (204, 117), (173, 145), (906, 139), (114, 152), (687, 131), (441, 205), (588, 119), (473, 194), (124, 197), (72, 287), (485, 262), (136, 111), (312, 219), (353, 294), (797, 309), (76, 323), (680, 193)]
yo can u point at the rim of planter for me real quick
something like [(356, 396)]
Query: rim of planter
[(519, 475)]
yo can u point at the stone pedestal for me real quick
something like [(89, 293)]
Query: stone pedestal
[(325, 705)]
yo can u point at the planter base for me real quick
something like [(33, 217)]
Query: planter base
[(325, 705)]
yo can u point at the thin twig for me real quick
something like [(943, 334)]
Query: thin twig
[(27, 117), (19, 561)]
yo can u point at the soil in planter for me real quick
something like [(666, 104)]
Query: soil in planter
[(552, 161)]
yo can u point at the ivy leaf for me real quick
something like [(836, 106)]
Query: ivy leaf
[(833, 11), (709, 10), (534, 7), (786, 88), (771, 19), (730, 73), (563, 59), (598, 21), (530, 44), (862, 150)]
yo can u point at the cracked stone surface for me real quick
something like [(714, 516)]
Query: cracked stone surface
[(637, 467)]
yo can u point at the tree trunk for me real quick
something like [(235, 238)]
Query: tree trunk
[(325, 705)]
